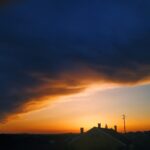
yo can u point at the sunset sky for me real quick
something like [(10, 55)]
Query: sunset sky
[(71, 64)]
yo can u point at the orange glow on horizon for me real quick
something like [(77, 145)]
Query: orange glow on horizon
[(85, 109)]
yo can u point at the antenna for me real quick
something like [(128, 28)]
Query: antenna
[(124, 122)]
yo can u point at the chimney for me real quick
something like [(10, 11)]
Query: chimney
[(99, 125), (81, 130), (115, 127), (106, 126)]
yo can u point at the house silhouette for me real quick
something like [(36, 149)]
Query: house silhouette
[(99, 138)]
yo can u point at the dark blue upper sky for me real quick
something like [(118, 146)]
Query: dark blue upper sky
[(49, 38)]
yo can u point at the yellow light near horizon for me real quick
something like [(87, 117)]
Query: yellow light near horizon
[(86, 109)]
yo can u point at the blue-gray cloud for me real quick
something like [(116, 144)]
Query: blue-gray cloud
[(43, 39)]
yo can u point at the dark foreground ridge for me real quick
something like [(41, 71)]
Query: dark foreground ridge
[(94, 139)]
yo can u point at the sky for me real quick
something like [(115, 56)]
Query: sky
[(67, 64)]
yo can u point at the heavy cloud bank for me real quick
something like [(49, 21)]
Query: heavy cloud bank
[(54, 48)]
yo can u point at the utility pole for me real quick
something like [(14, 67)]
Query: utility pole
[(124, 122)]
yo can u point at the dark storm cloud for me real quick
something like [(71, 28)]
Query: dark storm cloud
[(50, 48)]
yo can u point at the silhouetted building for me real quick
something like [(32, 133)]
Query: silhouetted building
[(99, 125), (81, 130), (99, 139), (115, 128), (106, 126)]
